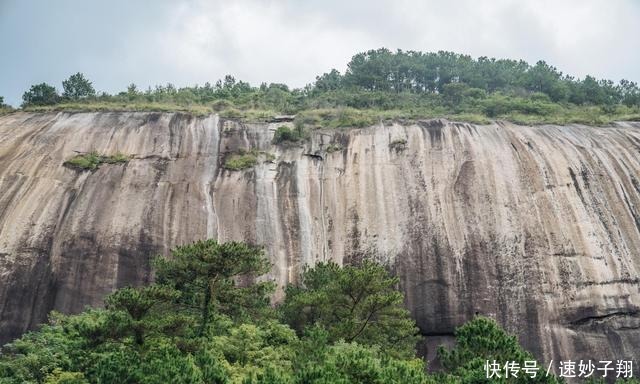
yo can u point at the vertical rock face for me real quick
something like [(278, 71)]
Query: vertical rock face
[(538, 227)]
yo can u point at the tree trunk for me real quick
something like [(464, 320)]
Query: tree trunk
[(205, 310)]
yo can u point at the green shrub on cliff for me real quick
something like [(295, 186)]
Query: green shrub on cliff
[(245, 159), (285, 134), (40, 94), (92, 160), (240, 161), (77, 87), (4, 108)]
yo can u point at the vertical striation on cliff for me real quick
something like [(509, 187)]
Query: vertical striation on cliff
[(538, 227)]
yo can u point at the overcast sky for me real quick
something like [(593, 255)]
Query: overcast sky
[(118, 42)]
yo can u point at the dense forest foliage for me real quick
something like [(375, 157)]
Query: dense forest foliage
[(381, 85), (197, 324)]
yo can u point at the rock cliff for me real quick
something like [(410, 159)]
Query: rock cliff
[(538, 227)]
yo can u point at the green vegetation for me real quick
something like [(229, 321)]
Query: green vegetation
[(77, 87), (197, 324), (104, 106), (205, 272), (477, 342), (41, 94), (381, 85), (239, 162), (341, 117), (355, 304), (244, 159), (286, 135), (208, 319), (4, 108), (92, 160)]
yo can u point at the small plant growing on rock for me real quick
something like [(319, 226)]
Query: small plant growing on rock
[(398, 145), (241, 160), (334, 148), (92, 160), (115, 159), (285, 134)]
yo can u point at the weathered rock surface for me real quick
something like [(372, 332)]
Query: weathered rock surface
[(538, 227)]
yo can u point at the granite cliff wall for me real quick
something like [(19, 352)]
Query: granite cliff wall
[(538, 227)]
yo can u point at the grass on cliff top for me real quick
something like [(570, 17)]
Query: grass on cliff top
[(93, 160), (194, 109), (358, 118), (198, 110), (5, 110), (346, 117)]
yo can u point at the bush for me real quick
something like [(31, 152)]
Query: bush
[(502, 105), (244, 159), (40, 94), (481, 340), (92, 160), (285, 134), (3, 107), (240, 161), (338, 118), (77, 87)]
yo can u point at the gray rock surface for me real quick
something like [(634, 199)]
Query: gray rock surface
[(538, 227)]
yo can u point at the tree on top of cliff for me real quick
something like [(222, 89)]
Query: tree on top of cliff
[(40, 94), (3, 106), (77, 87)]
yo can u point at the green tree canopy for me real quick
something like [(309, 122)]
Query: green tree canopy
[(208, 274), (154, 334), (40, 94), (351, 329), (141, 312), (77, 87), (481, 340), (353, 303), (382, 84), (342, 362)]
